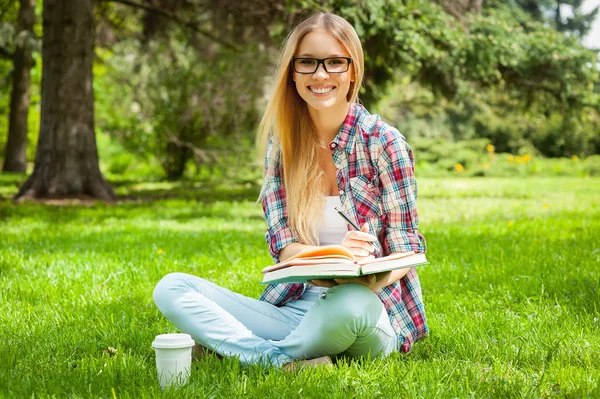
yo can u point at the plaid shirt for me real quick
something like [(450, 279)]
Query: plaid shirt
[(376, 185)]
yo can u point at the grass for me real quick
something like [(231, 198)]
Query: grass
[(512, 293)]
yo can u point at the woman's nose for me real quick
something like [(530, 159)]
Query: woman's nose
[(320, 73)]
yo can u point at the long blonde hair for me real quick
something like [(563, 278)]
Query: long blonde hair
[(288, 123)]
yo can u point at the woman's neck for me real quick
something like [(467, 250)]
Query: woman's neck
[(328, 121)]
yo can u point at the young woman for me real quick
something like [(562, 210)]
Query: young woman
[(323, 149)]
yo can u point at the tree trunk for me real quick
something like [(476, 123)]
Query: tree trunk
[(15, 159), (66, 161), (176, 158)]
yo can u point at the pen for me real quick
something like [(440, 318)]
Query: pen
[(375, 243)]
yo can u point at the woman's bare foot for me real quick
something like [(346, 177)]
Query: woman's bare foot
[(300, 364), (200, 352)]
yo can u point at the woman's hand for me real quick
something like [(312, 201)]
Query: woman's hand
[(374, 282), (323, 283), (359, 242)]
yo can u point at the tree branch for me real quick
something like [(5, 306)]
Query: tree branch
[(199, 153), (175, 18)]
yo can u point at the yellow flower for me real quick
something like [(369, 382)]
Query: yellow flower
[(546, 206), (510, 223), (486, 165), (526, 158), (510, 159), (516, 203), (160, 251), (459, 168), (489, 148), (518, 159), (575, 158)]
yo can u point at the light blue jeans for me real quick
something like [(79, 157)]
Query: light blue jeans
[(346, 320)]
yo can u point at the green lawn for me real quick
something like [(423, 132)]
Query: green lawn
[(512, 293)]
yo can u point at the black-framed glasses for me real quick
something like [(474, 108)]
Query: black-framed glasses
[(331, 65)]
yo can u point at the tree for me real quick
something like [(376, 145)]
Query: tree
[(551, 11), (66, 162), (579, 23), (196, 61), (15, 159)]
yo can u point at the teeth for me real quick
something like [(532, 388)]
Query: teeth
[(321, 90)]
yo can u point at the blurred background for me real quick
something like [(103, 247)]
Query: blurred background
[(478, 87)]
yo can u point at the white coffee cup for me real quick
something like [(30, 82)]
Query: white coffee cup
[(173, 358)]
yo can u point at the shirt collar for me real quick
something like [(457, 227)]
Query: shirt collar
[(346, 137)]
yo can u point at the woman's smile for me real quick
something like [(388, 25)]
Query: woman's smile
[(321, 90)]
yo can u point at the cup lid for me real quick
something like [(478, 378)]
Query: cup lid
[(171, 341)]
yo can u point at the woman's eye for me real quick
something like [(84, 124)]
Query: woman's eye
[(308, 62), (335, 61)]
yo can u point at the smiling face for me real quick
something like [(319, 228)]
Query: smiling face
[(322, 90)]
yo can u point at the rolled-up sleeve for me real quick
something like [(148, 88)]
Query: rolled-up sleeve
[(399, 196), (273, 198)]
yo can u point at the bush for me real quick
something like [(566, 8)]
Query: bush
[(119, 164), (436, 157)]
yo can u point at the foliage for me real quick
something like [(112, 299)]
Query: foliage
[(511, 295), (166, 92), (550, 11), (496, 49), (438, 157), (179, 103), (501, 76), (501, 117)]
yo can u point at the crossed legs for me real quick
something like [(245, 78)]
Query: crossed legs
[(349, 320)]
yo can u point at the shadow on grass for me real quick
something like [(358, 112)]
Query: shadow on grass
[(202, 194), (177, 210), (206, 191)]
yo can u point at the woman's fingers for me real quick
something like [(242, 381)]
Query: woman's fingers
[(359, 252), (360, 236), (359, 243), (367, 281), (365, 245)]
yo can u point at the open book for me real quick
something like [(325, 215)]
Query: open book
[(335, 261)]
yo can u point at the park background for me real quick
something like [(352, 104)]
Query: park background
[(134, 157)]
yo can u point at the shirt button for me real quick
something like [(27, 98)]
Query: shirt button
[(341, 192), (332, 146)]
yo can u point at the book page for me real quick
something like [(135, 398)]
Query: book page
[(307, 262), (385, 258), (395, 264), (324, 254), (326, 251)]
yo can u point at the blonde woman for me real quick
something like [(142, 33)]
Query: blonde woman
[(323, 149)]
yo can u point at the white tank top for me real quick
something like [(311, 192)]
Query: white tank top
[(331, 229)]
